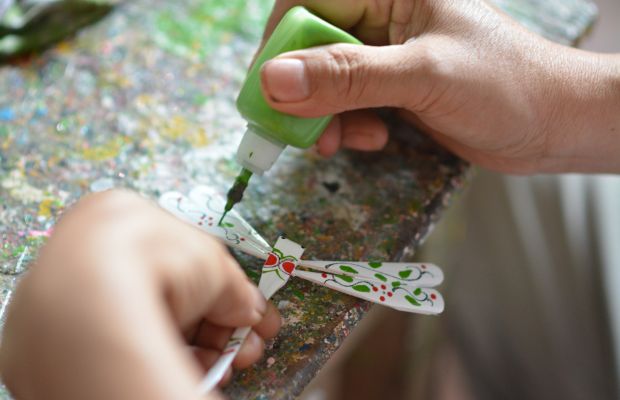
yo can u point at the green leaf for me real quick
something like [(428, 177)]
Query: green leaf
[(395, 284), (345, 278), (228, 224), (361, 288), (412, 300), (379, 276), (346, 268), (404, 273), (375, 264), (417, 292)]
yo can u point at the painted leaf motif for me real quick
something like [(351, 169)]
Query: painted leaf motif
[(345, 278), (412, 300), (375, 264), (405, 273), (417, 292), (347, 268), (361, 288), (395, 284), (381, 277), (228, 224)]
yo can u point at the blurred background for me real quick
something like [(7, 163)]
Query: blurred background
[(533, 310)]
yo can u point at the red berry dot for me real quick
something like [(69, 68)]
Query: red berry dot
[(433, 296), (383, 287), (242, 239), (374, 289), (389, 294), (210, 223), (382, 298), (324, 275), (423, 266), (200, 223)]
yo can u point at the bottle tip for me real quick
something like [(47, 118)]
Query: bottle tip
[(222, 218)]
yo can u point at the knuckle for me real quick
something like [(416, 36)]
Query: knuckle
[(427, 61), (108, 207), (346, 73), (110, 200)]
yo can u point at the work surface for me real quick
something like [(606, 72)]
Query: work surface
[(145, 100)]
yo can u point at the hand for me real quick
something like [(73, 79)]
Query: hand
[(127, 302), (471, 77)]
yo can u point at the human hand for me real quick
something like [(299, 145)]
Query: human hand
[(127, 302), (477, 82)]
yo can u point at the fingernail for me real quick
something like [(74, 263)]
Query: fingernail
[(285, 80)]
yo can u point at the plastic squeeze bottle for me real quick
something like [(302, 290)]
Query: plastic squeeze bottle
[(270, 131)]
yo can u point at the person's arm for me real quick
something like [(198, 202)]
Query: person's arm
[(471, 77), (585, 135), (127, 302)]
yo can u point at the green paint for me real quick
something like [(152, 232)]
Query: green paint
[(417, 292), (299, 294), (381, 277), (346, 268), (362, 288), (200, 99), (298, 29), (198, 27), (405, 273), (412, 300), (375, 264), (18, 250), (279, 276), (345, 278), (395, 284)]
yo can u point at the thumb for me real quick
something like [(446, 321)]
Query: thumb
[(332, 79)]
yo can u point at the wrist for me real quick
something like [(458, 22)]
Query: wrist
[(584, 127)]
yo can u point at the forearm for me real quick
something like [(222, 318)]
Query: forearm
[(585, 136)]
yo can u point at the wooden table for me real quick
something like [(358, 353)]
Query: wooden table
[(145, 100)]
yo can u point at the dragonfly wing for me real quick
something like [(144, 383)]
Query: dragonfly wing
[(233, 235), (403, 298), (213, 203), (406, 274)]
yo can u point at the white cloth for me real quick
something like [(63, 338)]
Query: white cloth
[(532, 293)]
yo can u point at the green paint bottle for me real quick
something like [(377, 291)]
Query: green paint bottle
[(270, 131)]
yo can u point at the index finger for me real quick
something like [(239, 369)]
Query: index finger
[(344, 14)]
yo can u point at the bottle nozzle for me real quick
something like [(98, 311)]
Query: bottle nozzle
[(256, 152), (235, 194)]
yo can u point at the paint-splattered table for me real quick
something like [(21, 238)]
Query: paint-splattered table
[(145, 100)]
